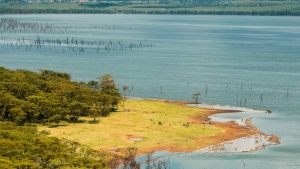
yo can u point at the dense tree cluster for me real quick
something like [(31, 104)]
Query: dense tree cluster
[(24, 147), (49, 97), (27, 97)]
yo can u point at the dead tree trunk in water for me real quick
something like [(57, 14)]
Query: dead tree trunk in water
[(196, 96), (244, 163)]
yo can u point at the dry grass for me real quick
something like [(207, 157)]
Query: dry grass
[(140, 119)]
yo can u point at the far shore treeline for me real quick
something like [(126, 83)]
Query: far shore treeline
[(46, 97), (182, 7)]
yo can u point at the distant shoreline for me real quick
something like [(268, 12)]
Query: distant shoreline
[(191, 13), (256, 8)]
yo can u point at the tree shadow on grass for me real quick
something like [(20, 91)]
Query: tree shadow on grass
[(94, 122)]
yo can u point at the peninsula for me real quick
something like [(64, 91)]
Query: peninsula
[(157, 125), (47, 119)]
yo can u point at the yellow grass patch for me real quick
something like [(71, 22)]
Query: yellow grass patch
[(160, 125)]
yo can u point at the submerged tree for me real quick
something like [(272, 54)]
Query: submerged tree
[(196, 96)]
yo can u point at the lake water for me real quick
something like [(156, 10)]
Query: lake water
[(235, 61)]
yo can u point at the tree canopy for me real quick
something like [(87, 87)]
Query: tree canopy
[(28, 97), (108, 87), (25, 147)]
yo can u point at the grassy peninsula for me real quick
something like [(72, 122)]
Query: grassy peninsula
[(49, 121), (153, 125), (146, 124), (194, 7)]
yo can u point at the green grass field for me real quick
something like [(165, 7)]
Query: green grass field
[(159, 124)]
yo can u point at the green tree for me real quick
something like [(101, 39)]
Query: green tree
[(50, 73), (55, 119), (96, 111), (107, 86), (6, 163), (17, 115), (20, 89), (92, 85), (78, 108), (5, 102), (28, 97)]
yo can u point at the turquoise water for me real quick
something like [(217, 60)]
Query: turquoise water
[(245, 61)]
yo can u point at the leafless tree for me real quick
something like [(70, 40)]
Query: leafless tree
[(196, 96), (125, 88), (129, 159), (244, 163)]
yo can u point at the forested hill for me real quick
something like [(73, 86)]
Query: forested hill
[(191, 7), (50, 97)]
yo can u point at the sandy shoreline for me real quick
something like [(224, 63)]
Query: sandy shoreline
[(235, 138), (244, 144)]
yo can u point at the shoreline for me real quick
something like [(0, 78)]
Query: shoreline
[(156, 125), (244, 144), (285, 9), (248, 136)]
